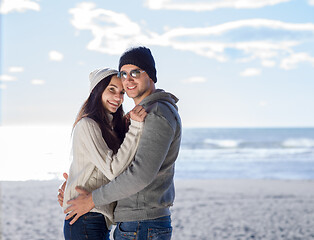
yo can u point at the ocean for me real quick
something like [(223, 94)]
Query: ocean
[(247, 153), (42, 153)]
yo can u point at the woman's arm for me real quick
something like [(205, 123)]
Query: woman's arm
[(111, 165)]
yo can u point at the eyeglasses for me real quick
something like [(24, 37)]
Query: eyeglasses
[(133, 73)]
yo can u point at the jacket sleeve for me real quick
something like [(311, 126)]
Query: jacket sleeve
[(101, 156), (153, 147)]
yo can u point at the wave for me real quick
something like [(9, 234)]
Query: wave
[(289, 143), (298, 143), (247, 155), (225, 143)]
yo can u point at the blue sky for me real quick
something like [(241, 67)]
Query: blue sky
[(239, 63)]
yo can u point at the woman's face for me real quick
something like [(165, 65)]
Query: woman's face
[(113, 95)]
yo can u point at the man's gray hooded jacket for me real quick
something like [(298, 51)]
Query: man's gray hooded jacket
[(145, 190)]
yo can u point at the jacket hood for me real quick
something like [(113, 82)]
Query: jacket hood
[(160, 95)]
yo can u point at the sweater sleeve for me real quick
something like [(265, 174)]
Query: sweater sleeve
[(111, 165), (153, 148)]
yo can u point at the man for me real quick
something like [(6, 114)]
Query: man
[(145, 190)]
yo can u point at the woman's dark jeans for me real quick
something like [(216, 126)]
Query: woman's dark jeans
[(89, 226)]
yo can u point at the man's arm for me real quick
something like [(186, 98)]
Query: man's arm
[(153, 148)]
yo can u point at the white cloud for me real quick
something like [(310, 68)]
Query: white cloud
[(250, 72), (16, 69), (112, 32), (209, 5), (195, 79), (37, 82), (292, 61), (8, 6), (264, 49), (240, 24), (7, 78), (311, 2), (267, 49), (268, 41), (55, 56)]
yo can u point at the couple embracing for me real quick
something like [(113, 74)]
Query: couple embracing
[(123, 165)]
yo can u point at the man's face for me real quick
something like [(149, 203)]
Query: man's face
[(137, 88)]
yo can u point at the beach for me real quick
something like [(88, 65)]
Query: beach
[(203, 209)]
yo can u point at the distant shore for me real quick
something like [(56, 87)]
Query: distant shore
[(204, 209)]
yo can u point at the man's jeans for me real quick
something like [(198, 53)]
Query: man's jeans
[(155, 229), (91, 225)]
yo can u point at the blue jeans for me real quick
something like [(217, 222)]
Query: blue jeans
[(91, 225), (159, 228)]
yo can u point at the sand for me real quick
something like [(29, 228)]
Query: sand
[(204, 209)]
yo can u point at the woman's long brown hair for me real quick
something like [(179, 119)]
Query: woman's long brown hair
[(93, 108)]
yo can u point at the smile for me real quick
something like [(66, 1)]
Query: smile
[(131, 88), (114, 103)]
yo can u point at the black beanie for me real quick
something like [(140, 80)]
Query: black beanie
[(140, 57)]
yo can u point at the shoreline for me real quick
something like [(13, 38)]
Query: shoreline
[(203, 209)]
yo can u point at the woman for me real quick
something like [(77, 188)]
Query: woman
[(101, 150)]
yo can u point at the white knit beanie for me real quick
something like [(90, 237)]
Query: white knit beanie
[(99, 74)]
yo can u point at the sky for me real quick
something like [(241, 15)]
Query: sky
[(232, 63)]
